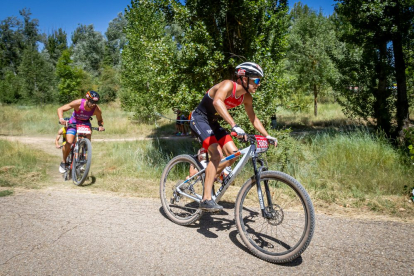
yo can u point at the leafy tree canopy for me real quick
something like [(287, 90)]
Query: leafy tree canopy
[(181, 51)]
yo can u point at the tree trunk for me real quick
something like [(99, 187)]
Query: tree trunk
[(315, 102), (402, 101), (381, 94)]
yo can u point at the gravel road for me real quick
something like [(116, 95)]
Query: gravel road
[(74, 232)]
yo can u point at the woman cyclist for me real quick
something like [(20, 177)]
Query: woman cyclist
[(84, 109), (215, 103)]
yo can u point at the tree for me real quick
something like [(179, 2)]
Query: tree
[(372, 27), (55, 44), (109, 84), (148, 60), (70, 78), (11, 44), (37, 75), (10, 86), (30, 29), (311, 37), (116, 40), (220, 35), (175, 52), (34, 70), (88, 48)]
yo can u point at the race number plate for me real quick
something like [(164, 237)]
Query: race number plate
[(83, 129), (262, 144)]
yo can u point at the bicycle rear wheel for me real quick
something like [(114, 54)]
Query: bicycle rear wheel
[(288, 231), (82, 161), (179, 208)]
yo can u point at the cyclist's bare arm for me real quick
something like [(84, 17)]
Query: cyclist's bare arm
[(222, 91), (248, 106), (60, 132), (98, 114), (74, 104)]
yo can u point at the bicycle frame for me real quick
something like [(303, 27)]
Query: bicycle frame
[(247, 154), (77, 139), (74, 145)]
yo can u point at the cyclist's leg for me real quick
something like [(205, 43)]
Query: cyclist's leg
[(215, 154), (203, 130), (228, 147), (70, 138)]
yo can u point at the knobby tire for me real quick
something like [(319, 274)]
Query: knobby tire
[(285, 236), (82, 163)]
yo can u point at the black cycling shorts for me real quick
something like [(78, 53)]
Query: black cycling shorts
[(208, 132)]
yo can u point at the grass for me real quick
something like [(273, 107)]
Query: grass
[(353, 171), (5, 193), (345, 171), (329, 115), (21, 166), (43, 120), (356, 170)]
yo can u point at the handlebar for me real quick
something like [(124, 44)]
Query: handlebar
[(250, 138), (74, 125)]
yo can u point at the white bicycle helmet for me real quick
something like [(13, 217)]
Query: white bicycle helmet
[(249, 69)]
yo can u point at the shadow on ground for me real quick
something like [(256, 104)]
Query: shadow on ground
[(208, 224)]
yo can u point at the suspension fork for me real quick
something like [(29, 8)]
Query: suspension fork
[(257, 173), (266, 182), (259, 187)]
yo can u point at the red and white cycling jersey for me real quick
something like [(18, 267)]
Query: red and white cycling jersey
[(207, 108)]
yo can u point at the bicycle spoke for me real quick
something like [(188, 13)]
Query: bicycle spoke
[(178, 198)]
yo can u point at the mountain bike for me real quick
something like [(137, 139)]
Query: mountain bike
[(273, 212), (80, 155)]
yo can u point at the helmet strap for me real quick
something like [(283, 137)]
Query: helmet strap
[(245, 88)]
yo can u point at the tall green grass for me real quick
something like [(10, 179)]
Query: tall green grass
[(22, 166), (351, 169), (134, 167), (352, 163), (355, 163), (43, 120), (329, 114)]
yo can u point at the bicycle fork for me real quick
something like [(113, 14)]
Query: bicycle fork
[(257, 173)]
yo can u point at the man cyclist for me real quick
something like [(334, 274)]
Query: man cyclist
[(215, 103), (61, 133), (84, 109)]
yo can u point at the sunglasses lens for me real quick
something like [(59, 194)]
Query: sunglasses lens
[(257, 81)]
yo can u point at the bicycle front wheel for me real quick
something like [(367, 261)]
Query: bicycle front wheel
[(82, 161), (288, 228), (181, 206), (68, 172)]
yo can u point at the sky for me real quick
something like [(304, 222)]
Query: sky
[(67, 14)]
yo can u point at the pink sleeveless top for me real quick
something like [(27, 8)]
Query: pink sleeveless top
[(81, 114)]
